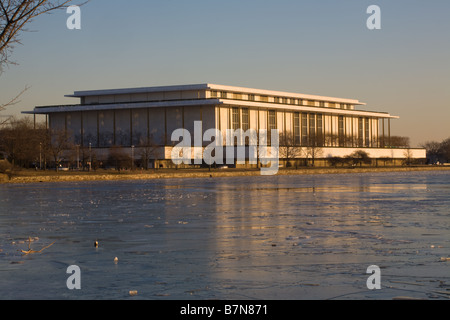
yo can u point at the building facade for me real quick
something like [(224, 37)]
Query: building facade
[(140, 117)]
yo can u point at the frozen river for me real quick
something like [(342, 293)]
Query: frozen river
[(282, 238)]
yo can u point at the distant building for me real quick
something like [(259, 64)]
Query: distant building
[(138, 117)]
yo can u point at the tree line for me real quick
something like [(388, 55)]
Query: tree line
[(26, 144), (437, 152)]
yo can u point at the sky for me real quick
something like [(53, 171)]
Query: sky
[(320, 47)]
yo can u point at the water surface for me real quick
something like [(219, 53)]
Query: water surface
[(283, 237)]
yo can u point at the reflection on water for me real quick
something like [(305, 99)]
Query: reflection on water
[(284, 237)]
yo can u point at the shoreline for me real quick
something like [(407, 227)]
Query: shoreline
[(52, 176)]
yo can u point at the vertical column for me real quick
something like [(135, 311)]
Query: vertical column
[(389, 132), (114, 127), (148, 127), (82, 129), (182, 117), (165, 126), (98, 130), (131, 127), (353, 132)]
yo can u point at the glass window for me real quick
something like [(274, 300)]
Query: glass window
[(272, 120), (297, 135), (312, 129), (235, 118), (272, 125), (367, 132), (341, 131), (304, 129), (360, 132), (245, 119), (319, 129)]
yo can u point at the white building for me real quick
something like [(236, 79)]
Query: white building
[(136, 117)]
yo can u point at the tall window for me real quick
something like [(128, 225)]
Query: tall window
[(312, 130), (367, 132), (319, 129), (235, 123), (213, 94), (360, 132), (245, 119), (272, 125), (304, 129), (297, 133), (341, 131), (251, 97)]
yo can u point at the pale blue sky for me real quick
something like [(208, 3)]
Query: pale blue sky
[(316, 47)]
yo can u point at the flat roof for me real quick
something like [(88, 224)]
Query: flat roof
[(209, 86), (189, 87), (210, 102)]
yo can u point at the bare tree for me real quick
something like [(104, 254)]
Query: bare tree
[(313, 151), (400, 142), (149, 151), (58, 142), (289, 149), (21, 142), (359, 157), (408, 157), (437, 152), (119, 158), (14, 16), (11, 102), (445, 149)]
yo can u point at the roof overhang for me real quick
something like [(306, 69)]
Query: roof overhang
[(205, 102)]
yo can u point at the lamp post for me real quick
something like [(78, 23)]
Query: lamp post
[(78, 157), (40, 155), (90, 157), (132, 157)]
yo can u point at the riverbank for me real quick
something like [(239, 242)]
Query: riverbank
[(29, 176)]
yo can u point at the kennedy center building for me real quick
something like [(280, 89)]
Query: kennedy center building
[(138, 117)]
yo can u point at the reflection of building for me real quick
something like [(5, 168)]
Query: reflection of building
[(143, 116)]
